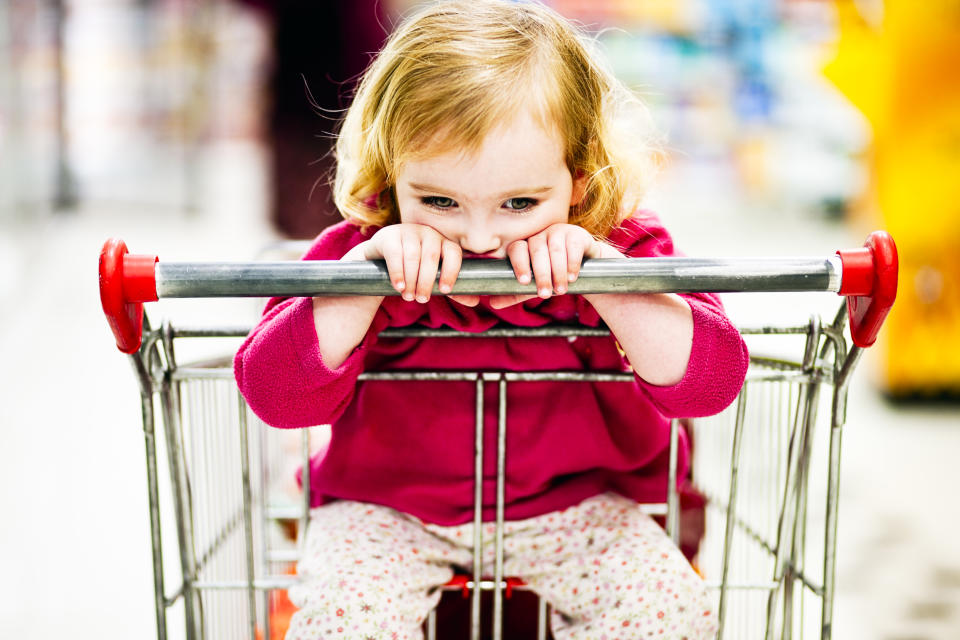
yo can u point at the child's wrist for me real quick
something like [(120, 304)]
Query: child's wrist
[(604, 250), (357, 253)]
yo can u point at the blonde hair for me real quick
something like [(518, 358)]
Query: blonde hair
[(457, 70)]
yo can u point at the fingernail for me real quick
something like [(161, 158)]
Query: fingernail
[(523, 279), (561, 289), (571, 277), (543, 293), (445, 288), (408, 296), (421, 298), (398, 285)]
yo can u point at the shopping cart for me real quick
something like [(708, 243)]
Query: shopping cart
[(768, 466)]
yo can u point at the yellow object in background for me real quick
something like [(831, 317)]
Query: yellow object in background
[(904, 75)]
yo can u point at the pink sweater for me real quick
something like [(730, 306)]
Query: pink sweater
[(410, 445)]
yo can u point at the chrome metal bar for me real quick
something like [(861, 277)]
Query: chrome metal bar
[(813, 341), (798, 540), (448, 376), (731, 506), (183, 506), (247, 516), (844, 364), (742, 586), (218, 539), (548, 331), (568, 376), (304, 516), (489, 277), (156, 546), (484, 585), (765, 545), (846, 370), (477, 512), (673, 501), (496, 332), (264, 562), (169, 600), (791, 373), (182, 509), (268, 583), (432, 625), (541, 619), (830, 530), (796, 470), (501, 495)]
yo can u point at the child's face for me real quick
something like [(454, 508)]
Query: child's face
[(516, 185)]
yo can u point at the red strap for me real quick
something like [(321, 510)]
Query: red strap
[(511, 583), (461, 581)]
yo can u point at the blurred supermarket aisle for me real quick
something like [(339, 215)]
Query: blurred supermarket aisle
[(75, 535), (190, 178)]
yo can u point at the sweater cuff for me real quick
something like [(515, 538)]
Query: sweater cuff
[(715, 371), (302, 335)]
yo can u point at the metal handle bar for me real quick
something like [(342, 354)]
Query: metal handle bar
[(867, 275), (493, 277)]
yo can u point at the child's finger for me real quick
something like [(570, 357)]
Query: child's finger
[(466, 300), (574, 260), (500, 302), (451, 257), (540, 263), (392, 253), (429, 263), (411, 264), (557, 246), (519, 254)]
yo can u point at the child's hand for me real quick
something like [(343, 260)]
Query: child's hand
[(413, 254), (553, 258)]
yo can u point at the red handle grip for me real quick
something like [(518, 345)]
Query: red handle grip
[(126, 282), (870, 282)]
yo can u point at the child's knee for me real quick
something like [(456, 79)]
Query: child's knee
[(616, 593)]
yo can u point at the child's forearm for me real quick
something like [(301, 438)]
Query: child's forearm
[(342, 322), (655, 331)]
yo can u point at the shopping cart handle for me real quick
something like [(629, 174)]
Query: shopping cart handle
[(870, 283), (867, 276), (126, 282)]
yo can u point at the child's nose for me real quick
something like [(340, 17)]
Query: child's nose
[(480, 241)]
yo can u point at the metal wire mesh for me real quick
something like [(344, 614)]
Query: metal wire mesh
[(761, 464)]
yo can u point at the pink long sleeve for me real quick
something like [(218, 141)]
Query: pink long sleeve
[(410, 444)]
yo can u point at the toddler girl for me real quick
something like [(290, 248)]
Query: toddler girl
[(487, 129)]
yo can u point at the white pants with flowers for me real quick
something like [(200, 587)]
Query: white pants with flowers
[(607, 570)]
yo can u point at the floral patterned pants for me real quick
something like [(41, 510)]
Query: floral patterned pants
[(607, 570)]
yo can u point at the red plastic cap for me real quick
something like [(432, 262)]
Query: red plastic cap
[(126, 282), (870, 282)]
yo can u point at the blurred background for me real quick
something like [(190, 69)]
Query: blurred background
[(201, 130)]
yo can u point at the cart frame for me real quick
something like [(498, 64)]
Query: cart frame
[(827, 358)]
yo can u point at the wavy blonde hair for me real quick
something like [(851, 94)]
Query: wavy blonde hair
[(456, 70)]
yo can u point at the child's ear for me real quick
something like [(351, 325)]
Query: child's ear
[(579, 188)]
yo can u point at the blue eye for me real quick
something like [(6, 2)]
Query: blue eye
[(438, 202), (520, 204)]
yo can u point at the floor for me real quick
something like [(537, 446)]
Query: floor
[(75, 540)]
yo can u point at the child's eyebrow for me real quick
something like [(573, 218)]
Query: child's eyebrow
[(512, 192)]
